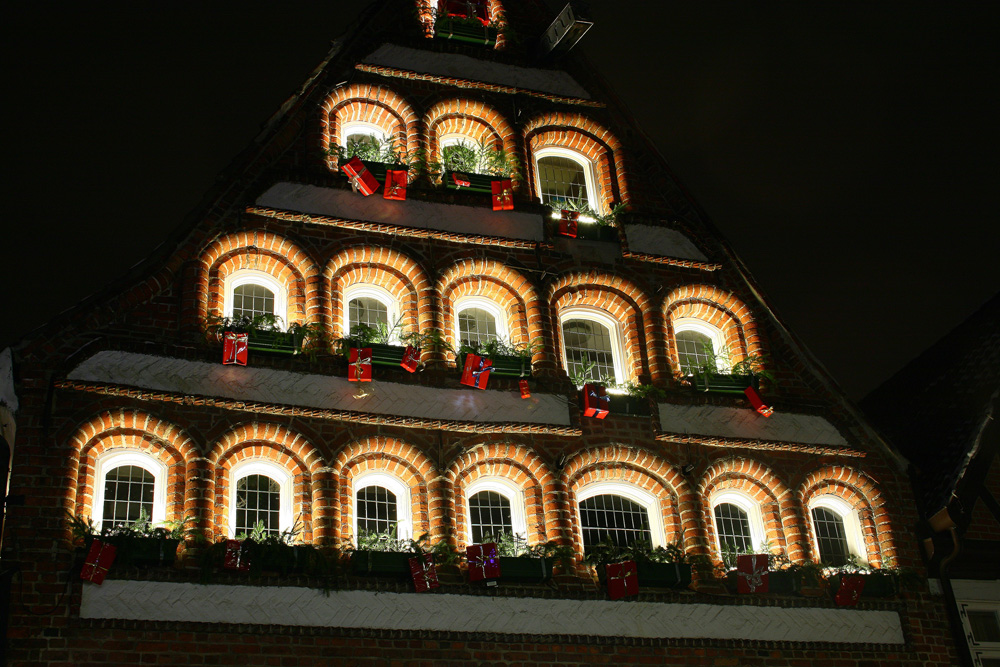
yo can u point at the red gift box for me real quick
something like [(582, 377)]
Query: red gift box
[(623, 579), (503, 196), (751, 573), (568, 223), (477, 371), (234, 348), (596, 402), (525, 389), (237, 556), (757, 402), (395, 185), (460, 180), (411, 357), (98, 561), (464, 9), (483, 561), (360, 367), (361, 179), (424, 573), (851, 588)]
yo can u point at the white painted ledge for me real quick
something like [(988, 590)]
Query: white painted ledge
[(267, 605), (746, 424), (662, 242)]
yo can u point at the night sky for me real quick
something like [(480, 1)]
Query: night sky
[(847, 151)]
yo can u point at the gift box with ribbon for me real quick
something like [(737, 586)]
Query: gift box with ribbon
[(757, 402), (596, 402), (751, 573), (525, 389), (234, 348), (476, 372), (395, 185), (460, 180), (360, 178), (464, 9), (98, 561), (359, 368), (568, 223), (484, 564), (851, 588), (424, 573), (236, 556), (623, 579), (503, 195), (411, 358)]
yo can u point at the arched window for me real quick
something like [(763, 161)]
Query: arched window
[(250, 293), (460, 153), (359, 132), (592, 348), (699, 345), (133, 485), (837, 531), (565, 179), (369, 305), (738, 526), (496, 507), (621, 513), (479, 321), (261, 494), (382, 505)]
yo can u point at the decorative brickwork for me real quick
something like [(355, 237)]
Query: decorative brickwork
[(473, 119), (377, 105), (718, 308)]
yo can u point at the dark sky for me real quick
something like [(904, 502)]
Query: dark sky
[(847, 151)]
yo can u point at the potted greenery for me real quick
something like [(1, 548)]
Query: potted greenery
[(879, 583), (378, 155), (598, 228), (138, 542), (509, 359), (636, 402), (663, 567), (383, 554), (783, 577), (465, 28), (381, 338), (524, 563), (479, 164), (265, 333), (746, 373)]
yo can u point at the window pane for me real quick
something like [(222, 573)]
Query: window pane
[(588, 342), (128, 491), (476, 325), (694, 350), (252, 300), (734, 531), (610, 516), (258, 498), (984, 626), (376, 507), (561, 181), (366, 310), (489, 515), (831, 537)]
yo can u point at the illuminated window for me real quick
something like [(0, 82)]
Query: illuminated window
[(699, 345), (250, 293), (359, 132), (565, 178), (592, 346), (618, 512), (738, 526), (132, 485), (382, 505), (496, 508), (837, 531), (479, 321), (460, 153), (261, 493), (370, 305)]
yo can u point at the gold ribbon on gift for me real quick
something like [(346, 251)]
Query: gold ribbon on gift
[(359, 366)]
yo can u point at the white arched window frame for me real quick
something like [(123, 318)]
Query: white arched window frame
[(260, 467), (404, 520), (381, 295), (593, 200), (758, 538), (454, 139), (491, 307), (714, 334), (111, 460), (614, 329), (639, 496), (253, 277), (851, 520), (353, 127), (507, 489)]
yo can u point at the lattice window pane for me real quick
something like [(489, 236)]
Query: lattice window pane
[(460, 157), (830, 536), (258, 498), (733, 525), (376, 508), (589, 342), (489, 515), (562, 181), (250, 300), (694, 350), (476, 325), (615, 517), (128, 492), (366, 310)]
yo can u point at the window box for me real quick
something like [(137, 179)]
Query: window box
[(144, 551), (525, 569), (877, 584), (631, 406), (477, 182), (378, 169), (779, 582), (504, 366), (595, 232), (277, 342), (381, 564), (382, 355), (655, 575), (285, 558), (723, 384), (465, 30)]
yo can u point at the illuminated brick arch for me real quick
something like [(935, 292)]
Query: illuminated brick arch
[(718, 308), (130, 430), (863, 494), (274, 443), (777, 504), (261, 251), (624, 302), (389, 269), (395, 457), (578, 133), (370, 103), (516, 464), (491, 280), (471, 118), (678, 503)]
